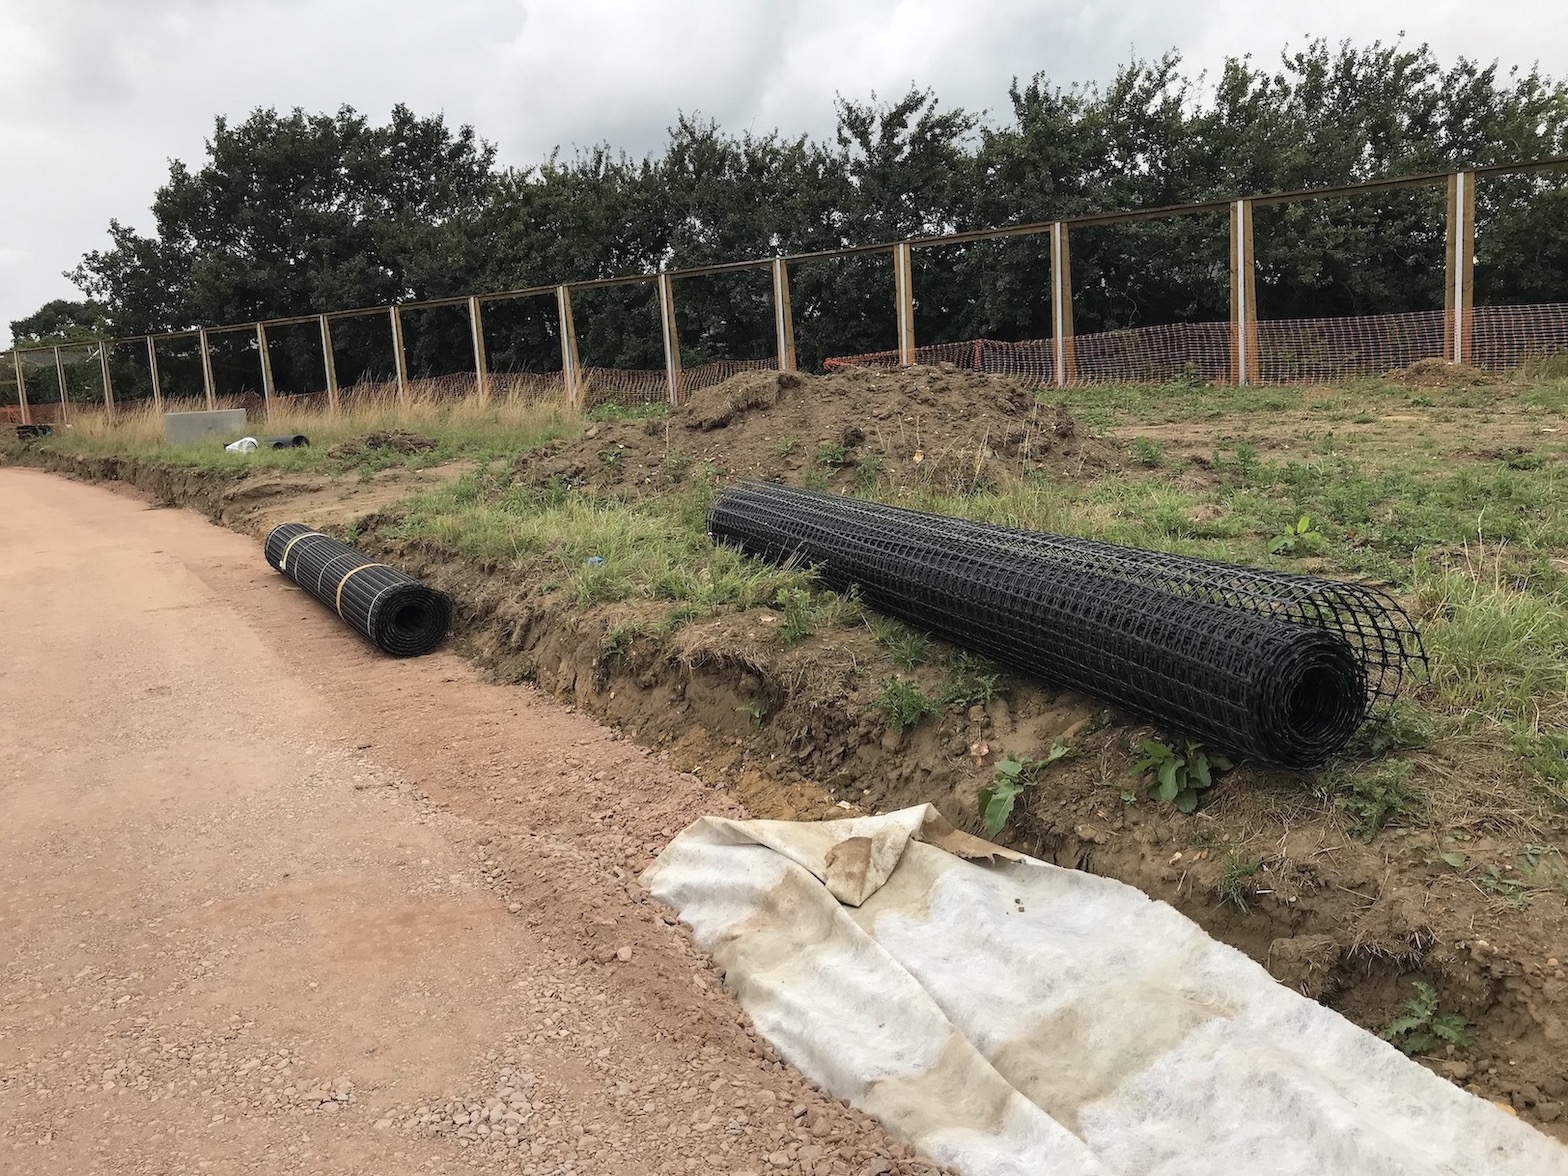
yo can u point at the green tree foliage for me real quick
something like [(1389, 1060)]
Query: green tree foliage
[(60, 321), (296, 213)]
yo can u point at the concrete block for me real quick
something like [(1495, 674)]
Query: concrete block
[(187, 428)]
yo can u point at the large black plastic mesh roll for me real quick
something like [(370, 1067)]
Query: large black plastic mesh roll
[(402, 615), (1272, 665)]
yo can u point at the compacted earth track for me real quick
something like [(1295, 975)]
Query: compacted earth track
[(271, 902)]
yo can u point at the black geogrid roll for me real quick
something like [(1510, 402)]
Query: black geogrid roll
[(1272, 665), (402, 615)]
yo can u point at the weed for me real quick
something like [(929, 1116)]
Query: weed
[(908, 647), (970, 681), (1179, 776), (1423, 1028), (1371, 801), (1232, 886), (1401, 727), (868, 473), (1549, 366), (1147, 453), (1510, 890), (785, 446), (610, 458), (1247, 463), (1012, 776), (816, 480), (831, 455), (800, 615), (1297, 537), (1525, 460), (677, 463), (755, 712), (617, 641), (1363, 418), (903, 704)]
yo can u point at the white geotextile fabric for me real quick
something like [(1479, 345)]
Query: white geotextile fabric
[(1013, 1018)]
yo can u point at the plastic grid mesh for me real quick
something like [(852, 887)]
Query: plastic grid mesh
[(1277, 666), (402, 616)]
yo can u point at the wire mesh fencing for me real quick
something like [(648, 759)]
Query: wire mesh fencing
[(1281, 667)]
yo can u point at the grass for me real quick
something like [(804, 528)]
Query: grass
[(903, 704), (971, 681), (1233, 887), (1455, 499), (462, 429), (597, 551), (908, 647)]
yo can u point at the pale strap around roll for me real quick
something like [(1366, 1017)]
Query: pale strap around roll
[(349, 576)]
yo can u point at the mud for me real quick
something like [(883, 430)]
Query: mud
[(790, 731), (384, 441), (943, 428), (1441, 373)]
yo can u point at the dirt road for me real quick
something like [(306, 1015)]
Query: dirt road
[(270, 902)]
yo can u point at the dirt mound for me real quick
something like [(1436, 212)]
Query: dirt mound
[(941, 427), (1440, 373), (388, 440)]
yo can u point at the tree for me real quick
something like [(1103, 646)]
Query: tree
[(60, 321), (294, 213)]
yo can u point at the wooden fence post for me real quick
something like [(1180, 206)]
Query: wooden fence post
[(157, 384), (672, 342), (400, 357), (1459, 288), (783, 317), (108, 382), (330, 363), (266, 368), (21, 383), (1065, 357), (571, 371), (904, 297), (206, 369), (1245, 366), (476, 327), (59, 371)]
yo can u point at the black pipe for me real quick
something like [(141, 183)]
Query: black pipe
[(1281, 667), (401, 615)]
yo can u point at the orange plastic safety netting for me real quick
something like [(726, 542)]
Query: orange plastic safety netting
[(630, 389), (1280, 351)]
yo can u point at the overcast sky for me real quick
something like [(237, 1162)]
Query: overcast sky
[(97, 95)]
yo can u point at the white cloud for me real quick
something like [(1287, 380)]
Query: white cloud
[(97, 95)]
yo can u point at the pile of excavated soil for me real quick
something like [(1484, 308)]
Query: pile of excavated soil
[(942, 427), (1440, 373), (388, 440)]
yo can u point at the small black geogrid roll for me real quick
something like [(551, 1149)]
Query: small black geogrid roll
[(402, 615), (1272, 665)]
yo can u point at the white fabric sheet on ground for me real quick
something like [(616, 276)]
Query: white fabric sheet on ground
[(1013, 1018)]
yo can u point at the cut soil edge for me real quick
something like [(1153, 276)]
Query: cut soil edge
[(1346, 923)]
